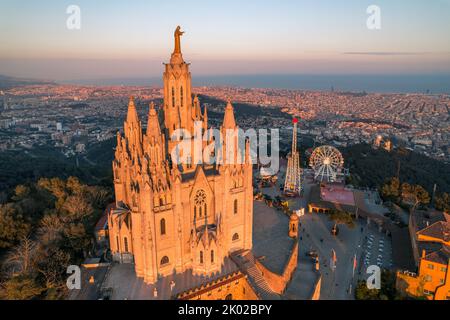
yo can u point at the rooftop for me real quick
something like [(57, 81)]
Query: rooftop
[(441, 256), (316, 199), (434, 225), (337, 194), (126, 286), (103, 221), (439, 230), (425, 219)]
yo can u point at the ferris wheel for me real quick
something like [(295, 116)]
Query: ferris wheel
[(327, 163)]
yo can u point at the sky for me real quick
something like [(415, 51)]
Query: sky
[(120, 39)]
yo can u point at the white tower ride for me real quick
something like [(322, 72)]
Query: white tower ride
[(292, 185)]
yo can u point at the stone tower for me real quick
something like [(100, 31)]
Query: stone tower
[(293, 226), (170, 216)]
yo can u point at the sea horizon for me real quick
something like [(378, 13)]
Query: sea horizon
[(377, 83)]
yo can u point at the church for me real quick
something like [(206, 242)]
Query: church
[(172, 216)]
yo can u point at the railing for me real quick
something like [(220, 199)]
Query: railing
[(163, 208), (408, 273)]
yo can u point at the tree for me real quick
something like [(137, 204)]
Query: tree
[(22, 287), (77, 207), (62, 214), (22, 258), (341, 217), (442, 202), (12, 225), (21, 192), (364, 293), (76, 239), (98, 196), (387, 291), (50, 229), (415, 194), (56, 187), (401, 152), (391, 189), (52, 266), (74, 186)]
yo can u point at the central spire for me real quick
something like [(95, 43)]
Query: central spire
[(178, 33), (177, 57), (178, 111)]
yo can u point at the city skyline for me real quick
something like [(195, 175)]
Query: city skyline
[(301, 37)]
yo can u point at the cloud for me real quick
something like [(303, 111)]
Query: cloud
[(386, 53)]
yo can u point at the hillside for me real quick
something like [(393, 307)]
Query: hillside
[(369, 167)]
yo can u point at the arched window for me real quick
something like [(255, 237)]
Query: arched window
[(212, 256), (229, 297), (189, 162), (195, 212), (235, 237), (235, 206), (206, 214), (181, 95), (117, 243), (201, 256), (163, 226), (161, 202), (164, 260), (173, 97), (200, 211), (125, 244)]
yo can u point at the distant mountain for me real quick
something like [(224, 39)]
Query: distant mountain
[(7, 82)]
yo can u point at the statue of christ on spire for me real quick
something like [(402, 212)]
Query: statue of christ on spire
[(178, 34)]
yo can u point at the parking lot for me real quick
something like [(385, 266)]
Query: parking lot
[(376, 250), (370, 246)]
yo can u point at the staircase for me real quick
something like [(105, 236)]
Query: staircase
[(246, 262)]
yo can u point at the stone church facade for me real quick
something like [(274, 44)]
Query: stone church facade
[(171, 216)]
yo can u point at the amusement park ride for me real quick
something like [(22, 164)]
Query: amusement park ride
[(292, 184), (327, 163)]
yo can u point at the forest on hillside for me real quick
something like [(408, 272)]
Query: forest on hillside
[(372, 167), (45, 227), (368, 167)]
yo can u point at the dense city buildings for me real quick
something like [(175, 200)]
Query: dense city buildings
[(416, 121)]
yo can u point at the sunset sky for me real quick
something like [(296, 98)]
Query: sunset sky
[(132, 38)]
